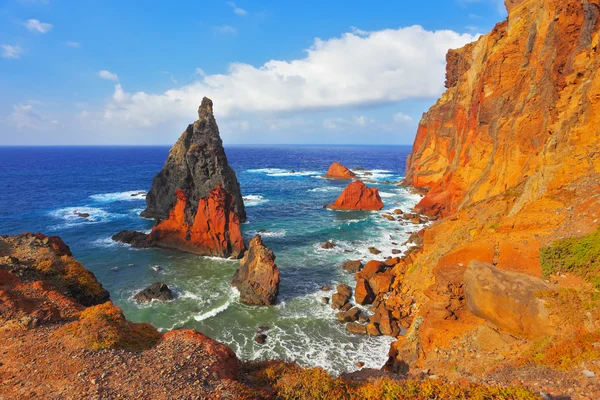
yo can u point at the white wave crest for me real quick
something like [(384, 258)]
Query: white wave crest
[(252, 200), (119, 196), (213, 312)]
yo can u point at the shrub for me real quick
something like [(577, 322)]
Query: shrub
[(580, 256)]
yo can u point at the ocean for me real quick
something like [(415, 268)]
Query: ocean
[(44, 187)]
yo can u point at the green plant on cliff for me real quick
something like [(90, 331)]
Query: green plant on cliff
[(580, 256), (288, 381)]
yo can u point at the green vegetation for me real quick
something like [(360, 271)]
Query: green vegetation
[(286, 381), (580, 256)]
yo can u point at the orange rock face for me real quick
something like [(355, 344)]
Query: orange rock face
[(215, 230), (357, 196), (521, 107), (338, 171)]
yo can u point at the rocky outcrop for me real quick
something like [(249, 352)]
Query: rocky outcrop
[(507, 299), (357, 196), (521, 106), (136, 239), (257, 278), (338, 171), (196, 198), (156, 291)]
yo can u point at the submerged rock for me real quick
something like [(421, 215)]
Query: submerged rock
[(196, 197), (352, 266), (257, 278), (338, 171), (156, 291), (328, 245), (357, 196)]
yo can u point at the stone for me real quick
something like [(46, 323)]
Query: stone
[(344, 289), (352, 266), (363, 292), (388, 217), (82, 215), (588, 374), (328, 245), (356, 328), (135, 239), (325, 288), (392, 261), (257, 278), (381, 282), (338, 301), (360, 364), (374, 251), (325, 300), (196, 198), (507, 299), (349, 316), (338, 171), (396, 251), (261, 339), (398, 211), (370, 270), (357, 196), (346, 307), (156, 291), (372, 329)]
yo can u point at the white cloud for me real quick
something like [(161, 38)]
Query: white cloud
[(9, 51), (346, 124), (74, 45), (25, 116), (35, 25), (225, 30), (401, 117), (200, 71), (384, 66), (236, 9), (104, 74)]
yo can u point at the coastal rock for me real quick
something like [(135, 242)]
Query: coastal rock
[(156, 291), (363, 292), (349, 316), (341, 299), (352, 266), (196, 197), (356, 328), (257, 278), (370, 270), (357, 196), (507, 299), (338, 171), (328, 245), (135, 239)]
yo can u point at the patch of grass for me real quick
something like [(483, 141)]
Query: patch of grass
[(566, 354), (287, 381), (104, 327), (580, 256)]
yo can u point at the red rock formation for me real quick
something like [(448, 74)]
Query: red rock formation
[(196, 198), (338, 171), (357, 196), (215, 230), (257, 279)]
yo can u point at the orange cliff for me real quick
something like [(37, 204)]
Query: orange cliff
[(215, 229), (510, 154), (338, 171), (196, 198), (357, 196)]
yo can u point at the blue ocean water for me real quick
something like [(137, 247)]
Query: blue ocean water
[(44, 187)]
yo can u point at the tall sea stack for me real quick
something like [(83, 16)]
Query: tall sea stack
[(196, 197)]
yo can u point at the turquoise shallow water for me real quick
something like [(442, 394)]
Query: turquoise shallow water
[(44, 187)]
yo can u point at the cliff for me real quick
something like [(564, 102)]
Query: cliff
[(196, 198), (509, 159), (357, 196)]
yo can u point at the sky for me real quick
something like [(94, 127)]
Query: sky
[(114, 72)]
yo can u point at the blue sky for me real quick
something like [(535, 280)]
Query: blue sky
[(319, 72)]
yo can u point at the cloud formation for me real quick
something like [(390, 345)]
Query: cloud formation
[(35, 25), (9, 51), (356, 69), (238, 11), (105, 74), (72, 44)]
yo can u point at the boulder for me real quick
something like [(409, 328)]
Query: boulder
[(328, 245), (372, 329), (196, 197), (363, 293), (369, 271), (381, 282), (356, 328), (135, 239), (257, 278), (374, 251), (352, 266), (261, 338), (357, 196), (345, 290), (349, 316), (156, 291), (338, 171), (338, 301), (390, 262), (507, 299)]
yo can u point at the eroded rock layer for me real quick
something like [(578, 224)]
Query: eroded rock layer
[(196, 198)]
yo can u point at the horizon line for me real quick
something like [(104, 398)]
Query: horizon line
[(224, 145)]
